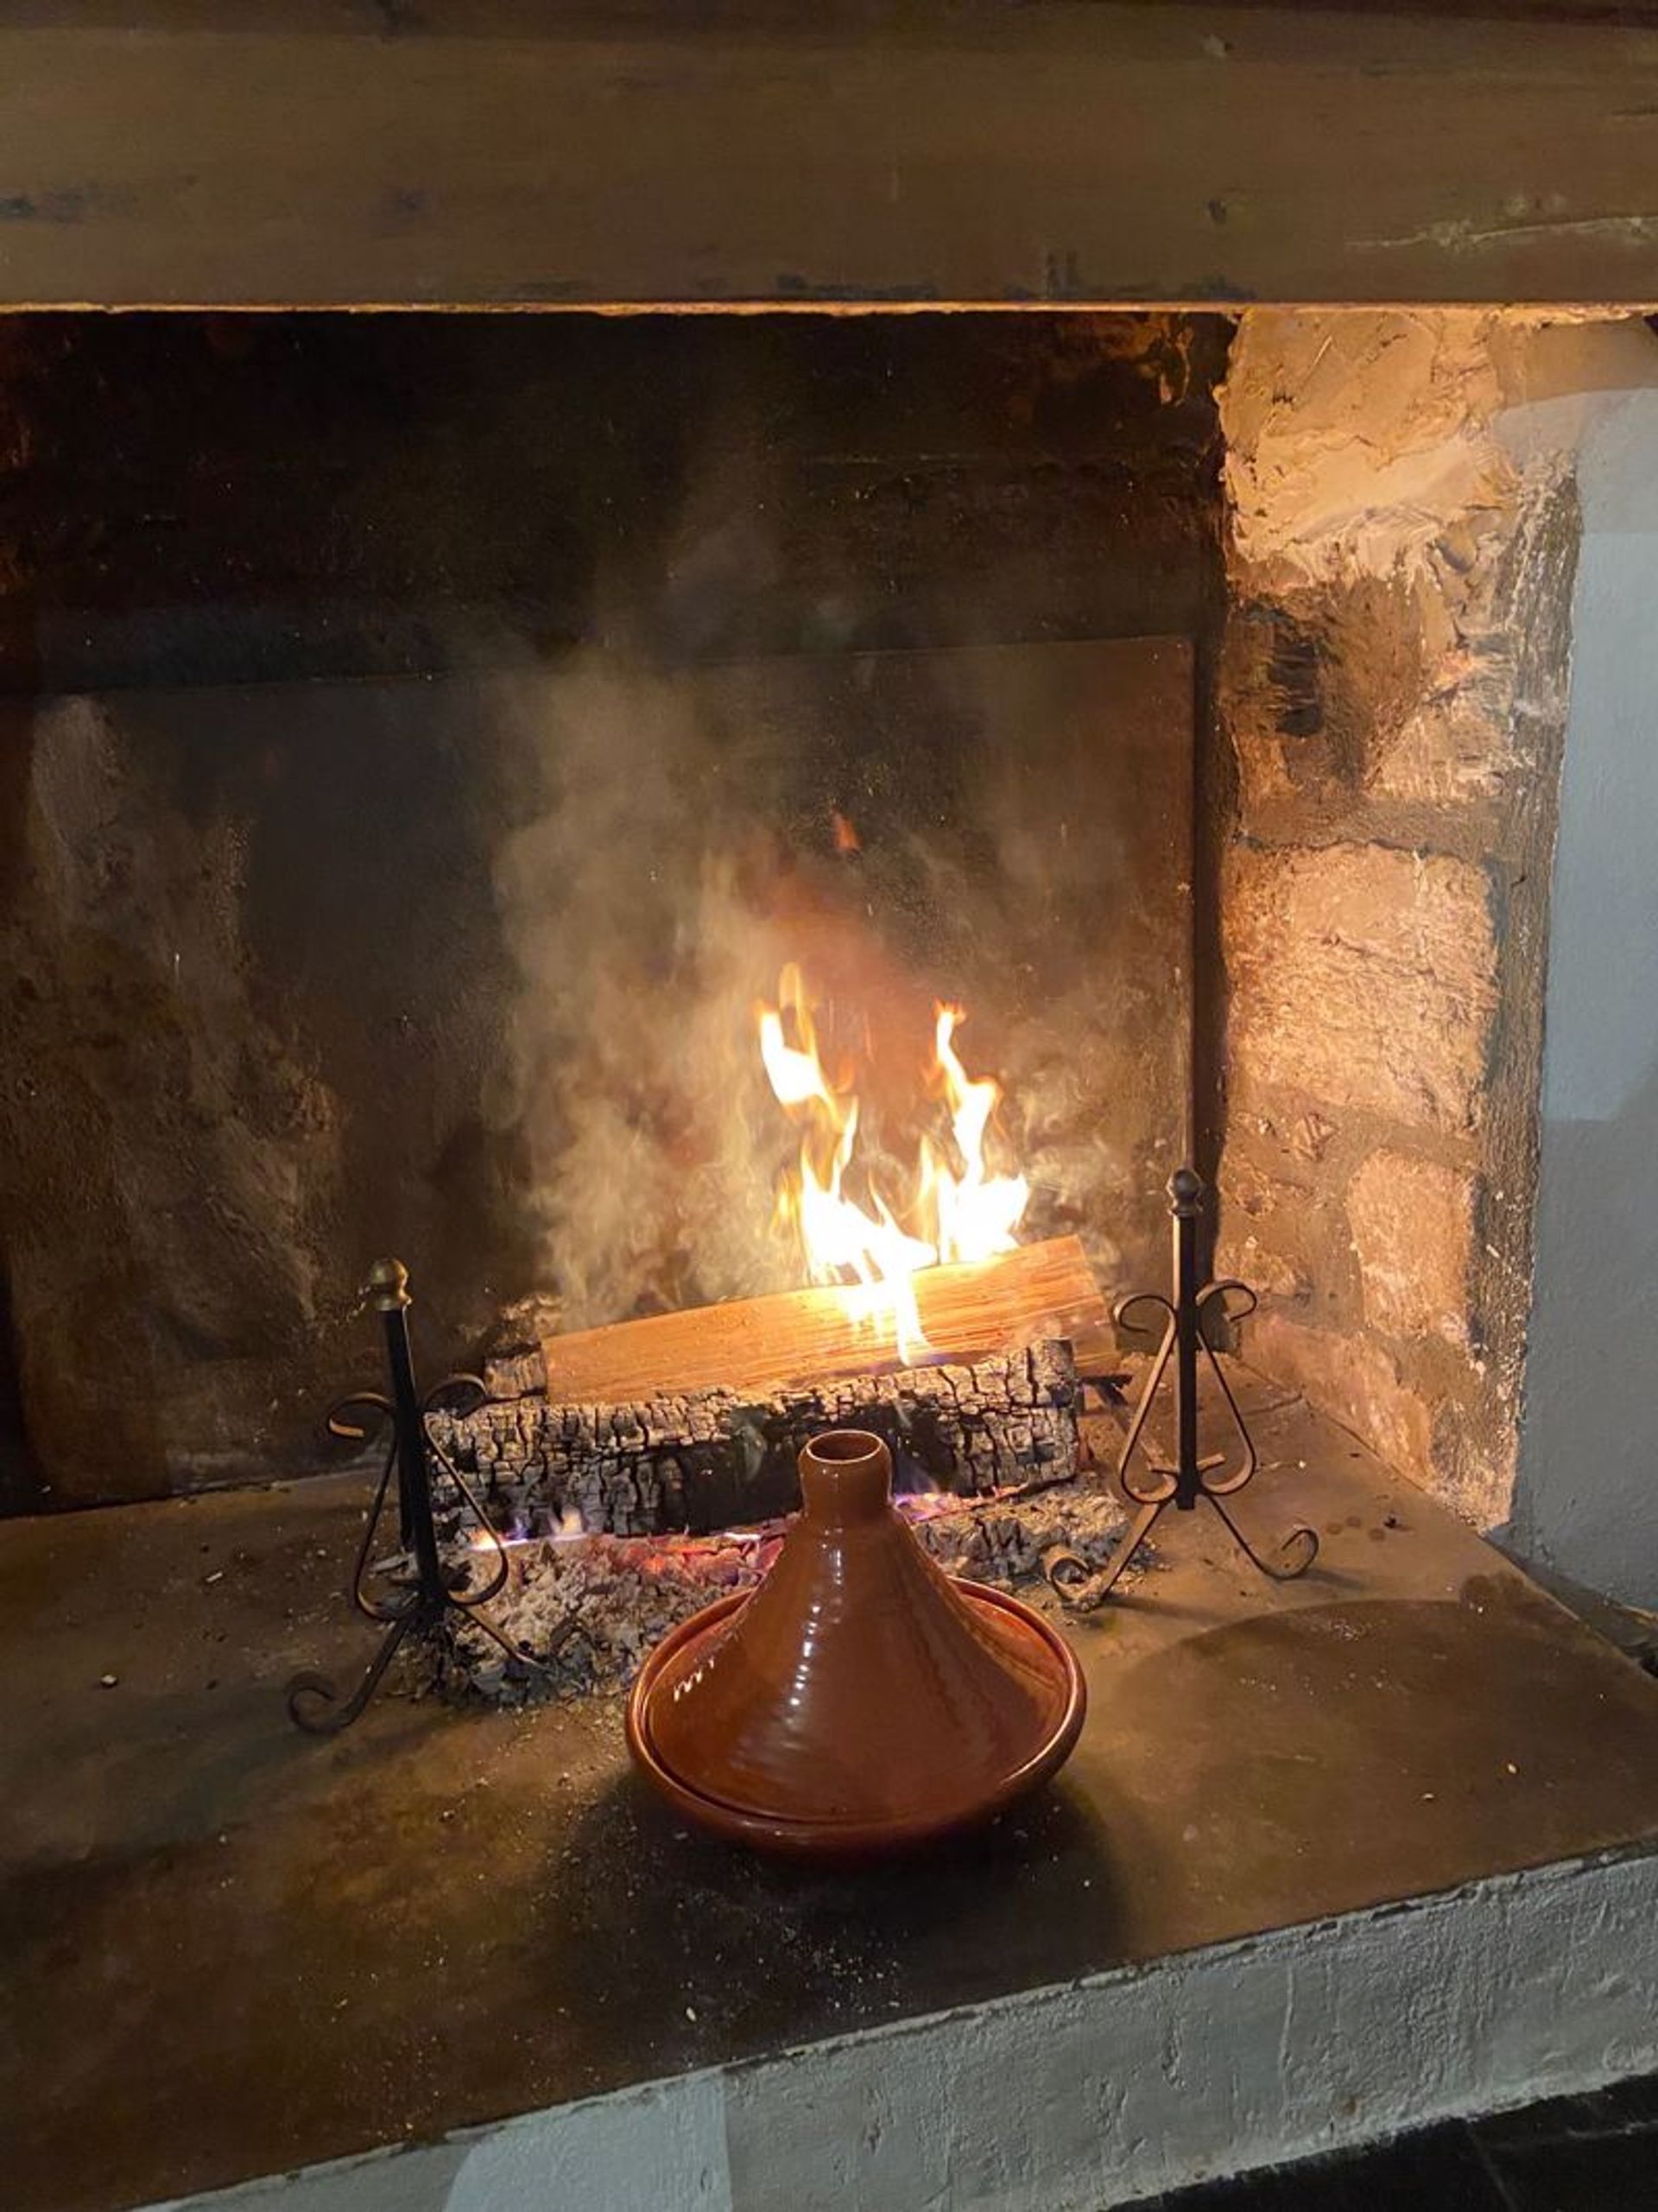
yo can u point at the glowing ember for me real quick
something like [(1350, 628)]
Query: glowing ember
[(956, 1210), (569, 1530)]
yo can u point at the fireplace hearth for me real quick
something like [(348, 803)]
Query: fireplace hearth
[(1404, 1778)]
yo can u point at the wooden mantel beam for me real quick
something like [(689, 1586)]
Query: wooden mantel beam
[(522, 153)]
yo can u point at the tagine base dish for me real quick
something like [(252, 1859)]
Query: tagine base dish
[(855, 1837)]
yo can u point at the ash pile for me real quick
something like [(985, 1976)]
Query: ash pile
[(586, 1610)]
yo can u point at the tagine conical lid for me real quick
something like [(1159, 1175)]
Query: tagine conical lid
[(858, 1689)]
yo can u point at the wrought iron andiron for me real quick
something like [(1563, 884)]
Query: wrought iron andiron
[(313, 1702), (1185, 1344)]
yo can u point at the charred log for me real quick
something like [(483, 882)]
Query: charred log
[(708, 1459)]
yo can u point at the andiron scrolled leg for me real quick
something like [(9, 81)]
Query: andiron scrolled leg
[(1150, 1487), (314, 1703), (313, 1700), (1082, 1593)]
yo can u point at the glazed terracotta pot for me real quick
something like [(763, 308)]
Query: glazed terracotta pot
[(859, 1700)]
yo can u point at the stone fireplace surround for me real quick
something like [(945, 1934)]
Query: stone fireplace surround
[(1410, 647), (170, 1833)]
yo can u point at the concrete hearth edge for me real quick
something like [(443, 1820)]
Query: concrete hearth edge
[(1077, 2097)]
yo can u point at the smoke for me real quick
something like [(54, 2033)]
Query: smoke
[(687, 835), (1004, 826), (630, 907)]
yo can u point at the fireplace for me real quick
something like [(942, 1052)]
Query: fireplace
[(752, 685), (437, 743)]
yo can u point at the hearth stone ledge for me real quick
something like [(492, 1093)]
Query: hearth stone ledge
[(1302, 2040)]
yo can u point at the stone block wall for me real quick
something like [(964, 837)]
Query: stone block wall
[(1392, 696)]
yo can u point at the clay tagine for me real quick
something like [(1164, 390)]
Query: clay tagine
[(859, 1700)]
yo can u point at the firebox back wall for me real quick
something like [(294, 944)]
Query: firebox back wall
[(193, 1178)]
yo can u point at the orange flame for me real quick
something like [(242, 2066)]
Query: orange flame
[(978, 1212), (875, 1252)]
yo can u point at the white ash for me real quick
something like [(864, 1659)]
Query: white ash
[(588, 1609)]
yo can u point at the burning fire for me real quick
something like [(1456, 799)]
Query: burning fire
[(957, 1209)]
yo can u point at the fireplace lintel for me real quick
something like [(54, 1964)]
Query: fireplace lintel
[(169, 154)]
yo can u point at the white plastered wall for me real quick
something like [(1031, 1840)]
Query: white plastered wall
[(1586, 1499)]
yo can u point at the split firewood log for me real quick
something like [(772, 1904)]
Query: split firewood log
[(715, 1457)]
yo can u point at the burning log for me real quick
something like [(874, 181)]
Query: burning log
[(969, 1310), (708, 1457)]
